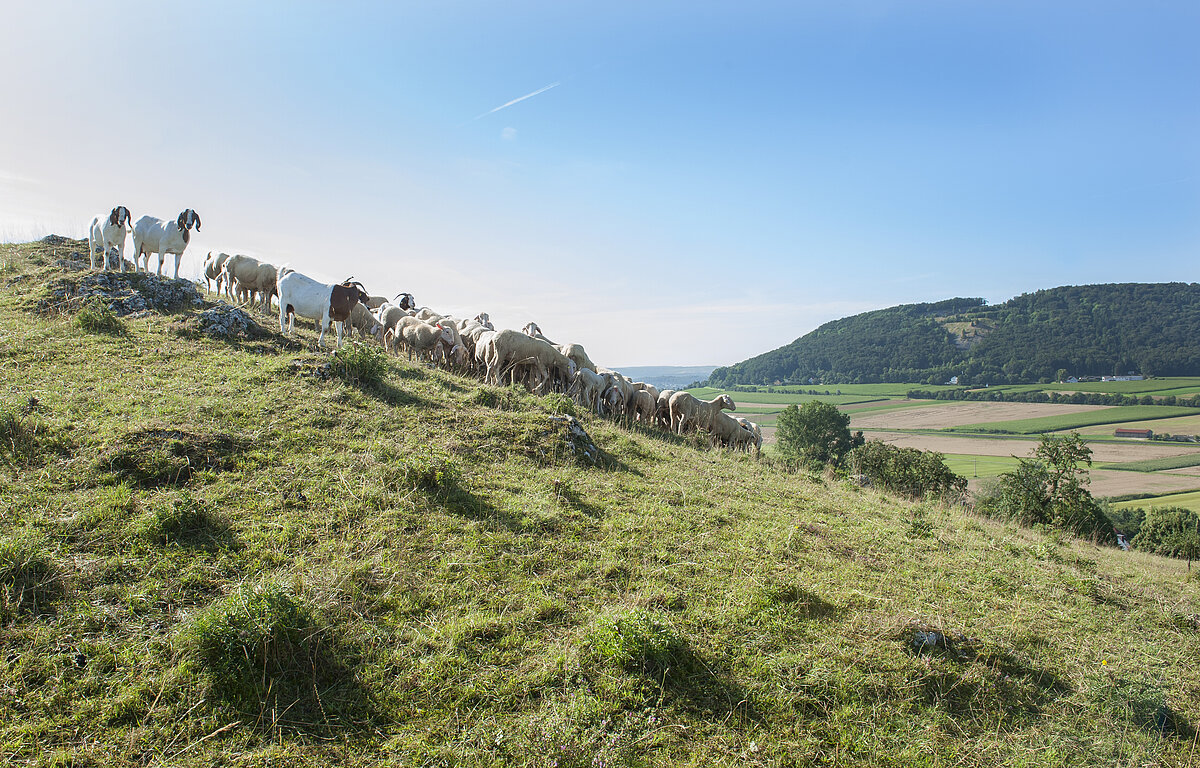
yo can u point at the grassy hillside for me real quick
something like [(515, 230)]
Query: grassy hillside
[(225, 552)]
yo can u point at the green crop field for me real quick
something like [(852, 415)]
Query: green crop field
[(1189, 500), (970, 465), (1146, 386), (1156, 465), (1120, 414), (1177, 425)]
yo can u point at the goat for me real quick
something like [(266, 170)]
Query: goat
[(109, 232), (301, 295), (152, 235)]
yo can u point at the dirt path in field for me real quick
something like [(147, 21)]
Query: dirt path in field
[(958, 414)]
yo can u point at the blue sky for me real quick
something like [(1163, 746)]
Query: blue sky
[(690, 183)]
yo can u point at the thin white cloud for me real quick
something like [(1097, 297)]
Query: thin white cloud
[(519, 99)]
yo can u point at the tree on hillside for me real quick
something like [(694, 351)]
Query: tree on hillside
[(816, 433), (1051, 489)]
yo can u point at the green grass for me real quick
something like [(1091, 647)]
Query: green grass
[(1116, 415), (1190, 500), (971, 465), (1143, 387), (1156, 465), (237, 561), (1185, 425)]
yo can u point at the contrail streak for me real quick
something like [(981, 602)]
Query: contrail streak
[(507, 104)]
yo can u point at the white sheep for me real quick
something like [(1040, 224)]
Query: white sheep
[(152, 235), (508, 351), (108, 232), (587, 388), (213, 270), (301, 295), (642, 406), (728, 431), (419, 337), (662, 413), (689, 413), (363, 321), (757, 442), (577, 355)]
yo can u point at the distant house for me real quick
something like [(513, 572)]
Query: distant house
[(953, 380), (1142, 433)]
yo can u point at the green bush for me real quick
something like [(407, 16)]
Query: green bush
[(94, 316), (255, 638), (184, 519), (638, 640), (905, 471), (1170, 531), (360, 364)]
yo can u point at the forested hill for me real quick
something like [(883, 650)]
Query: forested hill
[(1083, 330)]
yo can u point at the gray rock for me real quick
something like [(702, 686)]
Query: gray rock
[(577, 439), (229, 322), (126, 293)]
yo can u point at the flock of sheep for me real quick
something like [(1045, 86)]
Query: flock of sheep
[(526, 356)]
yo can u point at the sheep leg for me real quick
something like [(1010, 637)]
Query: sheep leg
[(178, 256)]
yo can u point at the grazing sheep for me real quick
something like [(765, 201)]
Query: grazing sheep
[(577, 355), (587, 388), (388, 316), (151, 235), (662, 413), (108, 232), (363, 321), (240, 275), (301, 295), (214, 267), (757, 430), (419, 337), (642, 406), (507, 350), (689, 413), (728, 431)]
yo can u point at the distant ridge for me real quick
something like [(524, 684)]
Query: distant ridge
[(668, 376), (1086, 330)]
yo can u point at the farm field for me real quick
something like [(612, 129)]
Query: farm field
[(1102, 453), (962, 413), (1118, 414), (1120, 467), (1178, 425), (1163, 386), (1189, 500), (974, 466)]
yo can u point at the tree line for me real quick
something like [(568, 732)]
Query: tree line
[(1088, 330)]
